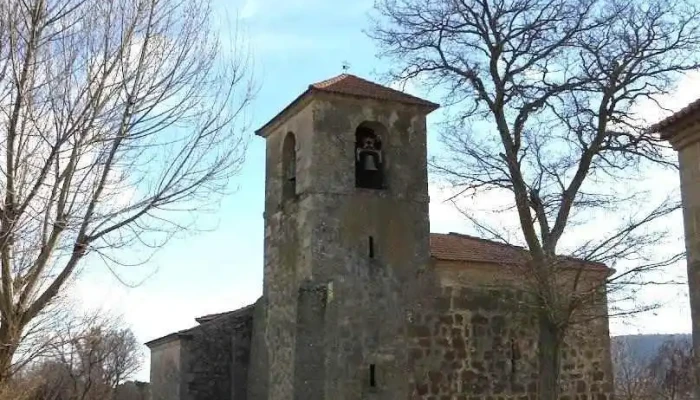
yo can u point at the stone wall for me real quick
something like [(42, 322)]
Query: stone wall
[(348, 284), (285, 253), (241, 348), (688, 147), (371, 291), (480, 343), (309, 371), (166, 371), (258, 368), (217, 352), (319, 239)]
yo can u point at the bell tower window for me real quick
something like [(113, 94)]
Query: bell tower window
[(289, 167), (369, 158)]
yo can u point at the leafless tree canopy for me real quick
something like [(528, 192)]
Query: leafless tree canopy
[(544, 98), (631, 381), (668, 375), (90, 358), (545, 92), (118, 120), (672, 371)]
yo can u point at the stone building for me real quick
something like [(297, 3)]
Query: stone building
[(360, 300), (682, 130)]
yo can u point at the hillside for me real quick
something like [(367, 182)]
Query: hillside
[(642, 347)]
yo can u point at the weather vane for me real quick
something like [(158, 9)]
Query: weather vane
[(346, 66)]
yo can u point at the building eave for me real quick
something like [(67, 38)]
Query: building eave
[(677, 122), (283, 115)]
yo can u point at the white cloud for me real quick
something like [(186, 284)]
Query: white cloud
[(249, 9), (492, 208), (687, 91)]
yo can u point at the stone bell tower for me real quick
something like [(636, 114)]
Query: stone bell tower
[(682, 130), (346, 241)]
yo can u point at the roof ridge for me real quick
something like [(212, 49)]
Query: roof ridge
[(326, 82), (213, 316), (515, 248)]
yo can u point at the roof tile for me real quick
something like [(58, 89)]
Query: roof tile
[(465, 248), (355, 86), (663, 125), (459, 247)]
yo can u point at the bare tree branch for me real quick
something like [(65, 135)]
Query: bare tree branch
[(544, 98), (119, 122)]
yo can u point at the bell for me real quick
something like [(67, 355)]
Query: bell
[(369, 164)]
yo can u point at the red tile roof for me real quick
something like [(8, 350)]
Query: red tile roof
[(351, 85), (355, 86), (458, 247), (465, 248), (678, 117)]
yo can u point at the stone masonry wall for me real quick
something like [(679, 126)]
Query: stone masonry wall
[(321, 236), (369, 252), (371, 290), (286, 223), (258, 369), (688, 147), (166, 370), (241, 348), (479, 344), (214, 362)]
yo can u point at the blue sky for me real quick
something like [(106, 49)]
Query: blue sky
[(295, 43)]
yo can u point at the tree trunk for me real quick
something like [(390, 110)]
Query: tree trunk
[(6, 355), (549, 345), (8, 347)]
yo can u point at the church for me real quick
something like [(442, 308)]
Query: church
[(360, 300)]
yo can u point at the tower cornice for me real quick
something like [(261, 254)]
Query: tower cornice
[(346, 85)]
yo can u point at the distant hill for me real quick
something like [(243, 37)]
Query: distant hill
[(642, 348)]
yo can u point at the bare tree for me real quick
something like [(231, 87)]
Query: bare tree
[(666, 375), (671, 371), (89, 359), (119, 120), (631, 373), (543, 97)]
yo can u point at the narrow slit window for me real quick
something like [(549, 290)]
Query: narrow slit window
[(372, 375), (514, 355), (289, 167), (370, 248)]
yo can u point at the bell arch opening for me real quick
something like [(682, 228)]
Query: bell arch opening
[(369, 156), (289, 167)]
